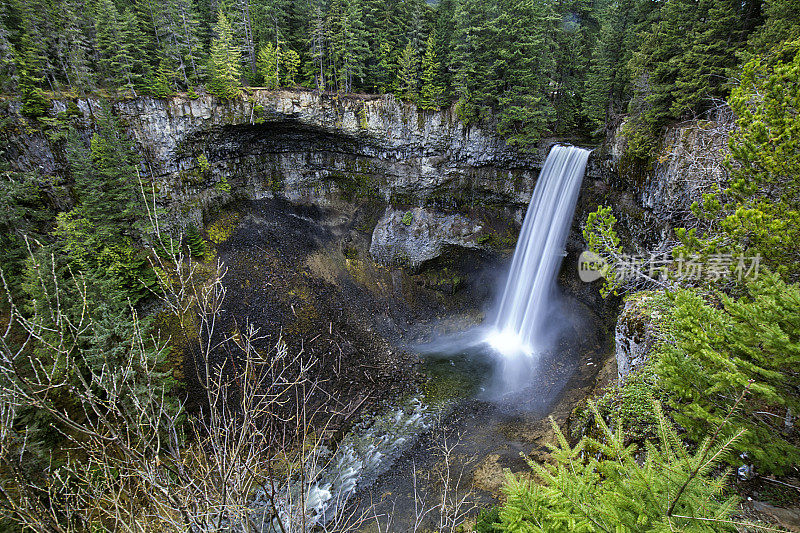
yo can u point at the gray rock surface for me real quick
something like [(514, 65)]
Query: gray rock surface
[(413, 237)]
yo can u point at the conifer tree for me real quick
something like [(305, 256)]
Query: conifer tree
[(602, 485), (523, 72), (268, 66), (608, 79), (72, 45), (444, 29), (224, 61), (406, 80), (290, 65), (164, 82), (101, 242), (710, 356), (384, 72), (432, 89), (8, 67), (759, 212), (119, 39), (34, 102)]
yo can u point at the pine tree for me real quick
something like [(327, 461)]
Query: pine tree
[(444, 30), (682, 63), (347, 44), (72, 45), (8, 67), (163, 84), (406, 80), (290, 65), (523, 72), (572, 46), (711, 355), (34, 102), (224, 61), (602, 485), (195, 242), (121, 59), (318, 45), (759, 212), (432, 88), (101, 242), (384, 72), (268, 66), (242, 21), (607, 83)]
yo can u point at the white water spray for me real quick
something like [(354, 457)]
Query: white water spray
[(528, 295)]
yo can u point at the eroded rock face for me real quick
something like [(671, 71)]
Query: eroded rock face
[(690, 163), (636, 332), (310, 148), (412, 237)]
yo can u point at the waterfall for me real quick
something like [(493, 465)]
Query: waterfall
[(528, 292)]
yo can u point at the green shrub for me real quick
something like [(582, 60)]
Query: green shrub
[(603, 485), (223, 185), (195, 242), (711, 353)]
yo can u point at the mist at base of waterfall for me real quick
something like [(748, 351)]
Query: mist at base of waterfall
[(479, 363), (529, 314)]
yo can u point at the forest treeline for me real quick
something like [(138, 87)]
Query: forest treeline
[(562, 67)]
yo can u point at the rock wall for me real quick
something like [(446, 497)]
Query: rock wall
[(311, 148), (467, 188), (655, 199), (690, 163)]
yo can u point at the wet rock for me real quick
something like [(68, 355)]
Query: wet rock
[(413, 237), (635, 333)]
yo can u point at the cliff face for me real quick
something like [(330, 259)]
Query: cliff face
[(467, 189), (658, 198), (310, 148), (690, 163)]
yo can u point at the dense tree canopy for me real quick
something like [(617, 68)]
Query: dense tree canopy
[(566, 66)]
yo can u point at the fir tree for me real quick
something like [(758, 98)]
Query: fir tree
[(710, 356), (523, 72), (602, 485), (432, 89), (8, 66), (406, 80), (34, 102), (224, 62), (607, 82), (119, 41), (290, 65), (384, 72), (268, 66), (163, 84)]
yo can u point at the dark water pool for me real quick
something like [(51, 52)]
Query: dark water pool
[(483, 427)]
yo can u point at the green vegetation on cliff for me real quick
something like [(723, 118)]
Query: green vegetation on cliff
[(533, 68)]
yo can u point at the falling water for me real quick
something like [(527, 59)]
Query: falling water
[(527, 298)]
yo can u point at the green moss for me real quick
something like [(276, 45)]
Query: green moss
[(362, 117), (401, 199), (355, 185), (221, 229), (629, 404), (202, 162), (408, 218), (222, 185), (350, 253)]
